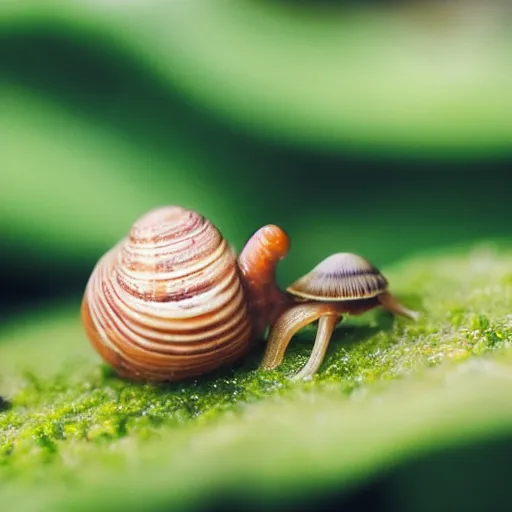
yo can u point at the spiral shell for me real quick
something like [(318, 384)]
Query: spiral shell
[(167, 301), (340, 277)]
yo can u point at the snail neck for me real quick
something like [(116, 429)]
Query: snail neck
[(258, 262)]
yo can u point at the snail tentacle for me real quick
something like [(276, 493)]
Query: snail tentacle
[(287, 325), (391, 304), (326, 325), (257, 263)]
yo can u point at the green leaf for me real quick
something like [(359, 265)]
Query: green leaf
[(73, 186), (408, 79), (78, 438)]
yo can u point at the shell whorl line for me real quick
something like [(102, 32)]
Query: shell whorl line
[(258, 262), (167, 302)]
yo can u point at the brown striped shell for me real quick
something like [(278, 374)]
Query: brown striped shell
[(340, 277), (167, 302)]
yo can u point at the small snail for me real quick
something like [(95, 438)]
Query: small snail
[(170, 301), (342, 283)]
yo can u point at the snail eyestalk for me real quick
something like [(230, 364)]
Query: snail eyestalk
[(258, 262)]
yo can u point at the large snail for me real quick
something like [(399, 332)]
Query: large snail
[(171, 300)]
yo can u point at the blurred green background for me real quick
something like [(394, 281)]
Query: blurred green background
[(376, 127)]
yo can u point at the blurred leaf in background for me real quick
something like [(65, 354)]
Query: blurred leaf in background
[(382, 128), (109, 108), (427, 74)]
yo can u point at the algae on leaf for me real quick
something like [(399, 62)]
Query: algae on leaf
[(75, 437)]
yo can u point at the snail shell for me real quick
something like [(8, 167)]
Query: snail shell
[(167, 302), (340, 277)]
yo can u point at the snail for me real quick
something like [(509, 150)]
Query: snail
[(340, 284), (170, 301)]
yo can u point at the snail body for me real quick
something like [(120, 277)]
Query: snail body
[(170, 301)]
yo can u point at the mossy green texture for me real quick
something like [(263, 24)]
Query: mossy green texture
[(74, 436)]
